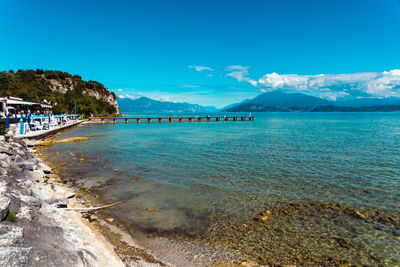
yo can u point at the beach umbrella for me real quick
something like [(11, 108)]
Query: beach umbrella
[(8, 120)]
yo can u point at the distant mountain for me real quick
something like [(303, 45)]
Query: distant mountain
[(144, 104), (279, 101), (282, 102), (235, 104), (383, 108), (368, 102)]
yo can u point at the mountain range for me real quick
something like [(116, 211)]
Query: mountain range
[(276, 101), (144, 104), (280, 101)]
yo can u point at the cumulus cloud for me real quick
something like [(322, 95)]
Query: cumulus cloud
[(119, 90), (379, 84), (334, 95), (169, 99), (237, 68), (312, 82), (200, 68), (128, 96), (240, 73)]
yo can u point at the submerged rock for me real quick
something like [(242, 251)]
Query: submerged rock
[(249, 263), (264, 216), (359, 215), (73, 139)]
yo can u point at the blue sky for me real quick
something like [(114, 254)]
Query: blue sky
[(210, 52)]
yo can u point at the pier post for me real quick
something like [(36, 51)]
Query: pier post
[(170, 119), (190, 119), (126, 120), (180, 119), (148, 119), (226, 118), (114, 120), (138, 120), (199, 119), (159, 119)]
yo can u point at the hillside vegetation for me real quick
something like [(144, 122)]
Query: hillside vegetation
[(61, 89)]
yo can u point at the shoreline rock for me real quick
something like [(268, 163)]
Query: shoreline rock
[(42, 234)]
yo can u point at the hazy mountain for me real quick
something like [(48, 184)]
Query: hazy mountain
[(144, 104), (279, 101), (368, 102), (283, 100), (235, 104)]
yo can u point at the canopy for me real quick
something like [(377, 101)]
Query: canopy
[(26, 103), (19, 102)]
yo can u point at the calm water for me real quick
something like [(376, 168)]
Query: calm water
[(312, 170)]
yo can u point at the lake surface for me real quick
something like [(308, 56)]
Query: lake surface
[(312, 171)]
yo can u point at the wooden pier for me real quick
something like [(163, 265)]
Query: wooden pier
[(170, 119)]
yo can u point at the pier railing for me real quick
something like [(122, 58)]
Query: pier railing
[(171, 119)]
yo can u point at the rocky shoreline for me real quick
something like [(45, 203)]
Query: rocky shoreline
[(35, 230)]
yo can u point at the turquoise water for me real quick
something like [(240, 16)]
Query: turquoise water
[(211, 178)]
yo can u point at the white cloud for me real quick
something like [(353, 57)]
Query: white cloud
[(379, 84), (169, 99), (240, 73), (237, 67), (119, 90), (128, 96), (334, 95), (200, 68)]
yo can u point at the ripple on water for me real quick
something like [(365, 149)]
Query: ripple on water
[(211, 179)]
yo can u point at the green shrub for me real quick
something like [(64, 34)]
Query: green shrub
[(11, 217)]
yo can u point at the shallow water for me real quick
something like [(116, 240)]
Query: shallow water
[(311, 170)]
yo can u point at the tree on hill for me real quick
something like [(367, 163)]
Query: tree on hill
[(35, 86)]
